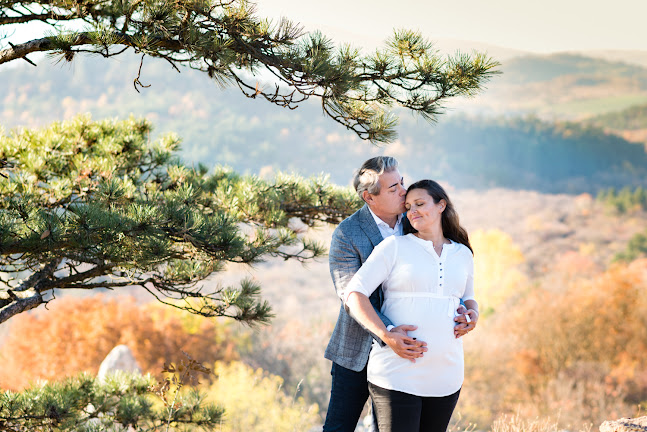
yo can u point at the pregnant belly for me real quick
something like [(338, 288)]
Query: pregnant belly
[(439, 372), (430, 315)]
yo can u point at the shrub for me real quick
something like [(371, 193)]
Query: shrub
[(257, 402), (75, 335)]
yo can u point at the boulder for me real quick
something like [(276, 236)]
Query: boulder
[(119, 359), (638, 424)]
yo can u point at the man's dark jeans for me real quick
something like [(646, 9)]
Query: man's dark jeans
[(348, 395)]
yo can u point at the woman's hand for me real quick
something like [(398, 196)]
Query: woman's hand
[(403, 345), (467, 319)]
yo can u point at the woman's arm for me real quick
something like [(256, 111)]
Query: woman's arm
[(363, 312), (471, 309), (345, 261)]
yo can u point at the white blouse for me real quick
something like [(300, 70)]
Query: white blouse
[(422, 289)]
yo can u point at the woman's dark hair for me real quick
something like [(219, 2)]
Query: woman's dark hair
[(449, 218)]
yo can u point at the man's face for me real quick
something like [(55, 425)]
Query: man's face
[(390, 201)]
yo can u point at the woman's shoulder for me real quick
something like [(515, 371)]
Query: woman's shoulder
[(463, 250), (390, 245), (389, 242)]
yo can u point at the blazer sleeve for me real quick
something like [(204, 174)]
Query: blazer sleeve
[(344, 260)]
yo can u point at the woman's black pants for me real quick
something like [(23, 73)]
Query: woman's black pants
[(403, 412)]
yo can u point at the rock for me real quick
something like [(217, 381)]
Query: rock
[(119, 359), (638, 424)]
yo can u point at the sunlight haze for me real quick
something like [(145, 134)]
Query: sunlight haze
[(542, 27)]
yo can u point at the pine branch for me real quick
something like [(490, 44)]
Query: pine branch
[(226, 41)]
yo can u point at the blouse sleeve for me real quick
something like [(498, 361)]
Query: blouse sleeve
[(469, 284), (375, 270)]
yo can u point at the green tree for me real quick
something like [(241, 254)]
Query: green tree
[(97, 205), (640, 198), (117, 403), (226, 40), (636, 248)]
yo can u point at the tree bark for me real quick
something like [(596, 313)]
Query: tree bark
[(36, 17), (35, 283), (20, 51), (21, 305)]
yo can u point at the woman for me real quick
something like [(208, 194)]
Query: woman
[(424, 276)]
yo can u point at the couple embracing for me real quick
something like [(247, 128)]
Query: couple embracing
[(406, 285)]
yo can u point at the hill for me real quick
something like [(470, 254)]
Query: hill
[(222, 127), (532, 68), (565, 86), (632, 118), (630, 123), (625, 56)]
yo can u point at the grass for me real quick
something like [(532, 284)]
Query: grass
[(514, 423)]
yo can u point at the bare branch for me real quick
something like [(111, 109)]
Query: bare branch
[(37, 17), (21, 305)]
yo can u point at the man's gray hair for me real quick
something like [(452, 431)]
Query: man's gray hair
[(367, 177)]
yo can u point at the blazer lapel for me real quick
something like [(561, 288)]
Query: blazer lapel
[(368, 225)]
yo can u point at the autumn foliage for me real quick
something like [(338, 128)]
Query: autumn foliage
[(496, 268), (573, 348), (75, 335)]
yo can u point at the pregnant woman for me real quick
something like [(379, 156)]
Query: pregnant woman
[(424, 276)]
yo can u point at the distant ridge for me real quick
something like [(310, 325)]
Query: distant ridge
[(498, 52), (543, 67), (625, 56)]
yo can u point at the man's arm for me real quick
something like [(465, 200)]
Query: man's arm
[(364, 313)]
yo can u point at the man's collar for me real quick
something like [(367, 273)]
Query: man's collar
[(379, 221)]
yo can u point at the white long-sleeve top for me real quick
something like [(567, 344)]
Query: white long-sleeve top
[(422, 289)]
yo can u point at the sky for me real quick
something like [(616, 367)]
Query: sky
[(537, 26)]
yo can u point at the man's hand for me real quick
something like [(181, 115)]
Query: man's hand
[(406, 347), (466, 321)]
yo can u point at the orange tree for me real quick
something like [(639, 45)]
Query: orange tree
[(75, 335), (582, 347)]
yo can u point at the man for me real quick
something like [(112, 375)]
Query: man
[(379, 183)]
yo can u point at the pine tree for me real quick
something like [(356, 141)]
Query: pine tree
[(97, 205), (640, 198), (225, 39), (636, 248), (120, 402), (94, 205)]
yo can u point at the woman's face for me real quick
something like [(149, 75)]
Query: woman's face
[(422, 211)]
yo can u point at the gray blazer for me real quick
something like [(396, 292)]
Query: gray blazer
[(352, 242)]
